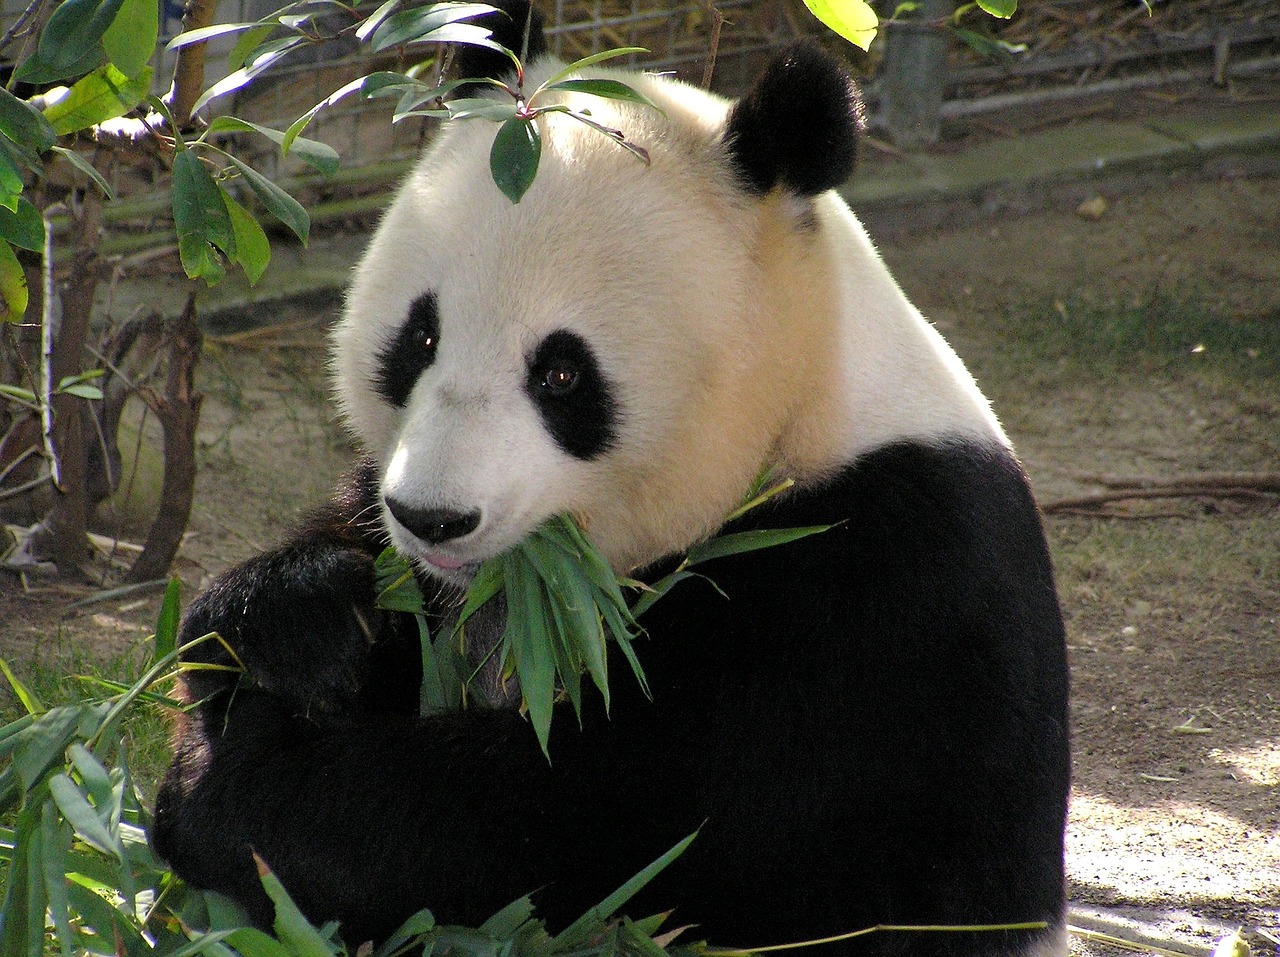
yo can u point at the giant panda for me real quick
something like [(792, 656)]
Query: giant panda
[(867, 726)]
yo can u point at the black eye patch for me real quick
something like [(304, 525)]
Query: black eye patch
[(572, 395), (405, 357)]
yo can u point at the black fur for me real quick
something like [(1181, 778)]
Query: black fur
[(798, 127), (872, 728), (580, 413), (409, 354)]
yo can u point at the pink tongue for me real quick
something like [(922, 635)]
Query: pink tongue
[(448, 564)]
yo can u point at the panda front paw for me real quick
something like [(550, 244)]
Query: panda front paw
[(301, 623)]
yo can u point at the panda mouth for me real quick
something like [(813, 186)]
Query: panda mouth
[(444, 562)]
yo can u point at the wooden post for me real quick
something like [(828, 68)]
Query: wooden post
[(915, 75)]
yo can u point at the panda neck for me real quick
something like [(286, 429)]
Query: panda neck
[(882, 373)]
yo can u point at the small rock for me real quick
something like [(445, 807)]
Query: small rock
[(1092, 208)]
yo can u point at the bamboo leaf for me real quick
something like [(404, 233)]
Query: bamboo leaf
[(736, 543), (296, 932), (80, 814), (166, 638), (530, 645), (573, 936), (25, 694), (55, 838)]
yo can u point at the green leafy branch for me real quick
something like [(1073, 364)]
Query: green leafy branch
[(564, 603)]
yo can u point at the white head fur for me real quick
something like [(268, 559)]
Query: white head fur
[(737, 332)]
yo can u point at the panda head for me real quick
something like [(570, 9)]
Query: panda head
[(631, 344)]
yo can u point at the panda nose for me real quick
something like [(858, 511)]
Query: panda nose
[(434, 525)]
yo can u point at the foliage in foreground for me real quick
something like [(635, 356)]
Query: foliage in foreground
[(80, 875)]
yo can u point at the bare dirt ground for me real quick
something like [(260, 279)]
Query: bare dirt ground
[(1173, 608)]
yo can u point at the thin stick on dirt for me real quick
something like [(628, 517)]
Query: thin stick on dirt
[(1257, 481), (1171, 490)]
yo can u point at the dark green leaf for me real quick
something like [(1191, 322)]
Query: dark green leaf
[(280, 204), (530, 644), (13, 285), (505, 923), (398, 588), (43, 744), (25, 228), (23, 124), (131, 39), (10, 174), (252, 249), (441, 688), (200, 218), (513, 159), (410, 25), (609, 89), (71, 38), (168, 621), (988, 46)]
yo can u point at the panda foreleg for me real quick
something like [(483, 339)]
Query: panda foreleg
[(299, 622)]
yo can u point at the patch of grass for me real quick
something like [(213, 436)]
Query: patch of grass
[(60, 672), (1163, 335)]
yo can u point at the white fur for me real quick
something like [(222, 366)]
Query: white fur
[(734, 338)]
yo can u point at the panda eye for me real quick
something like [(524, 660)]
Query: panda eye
[(560, 379)]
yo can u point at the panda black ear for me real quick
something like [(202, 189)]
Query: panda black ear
[(798, 127), (508, 26)]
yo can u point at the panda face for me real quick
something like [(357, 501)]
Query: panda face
[(505, 363), (633, 343)]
